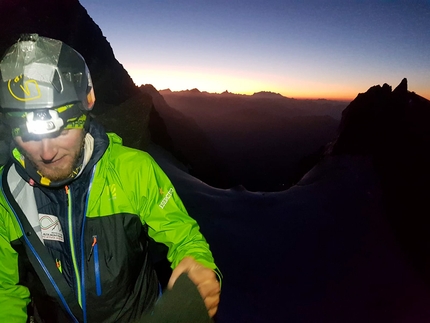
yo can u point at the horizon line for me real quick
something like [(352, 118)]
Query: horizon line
[(342, 99)]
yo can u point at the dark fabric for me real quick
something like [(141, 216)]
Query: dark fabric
[(181, 304), (129, 283)]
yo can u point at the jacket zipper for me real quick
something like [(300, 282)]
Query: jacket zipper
[(72, 245), (84, 301), (58, 264), (95, 251)]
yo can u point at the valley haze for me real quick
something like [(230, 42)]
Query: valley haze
[(263, 142)]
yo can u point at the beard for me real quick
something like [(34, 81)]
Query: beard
[(67, 167), (70, 167)]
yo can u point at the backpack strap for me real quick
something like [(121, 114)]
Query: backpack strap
[(44, 265)]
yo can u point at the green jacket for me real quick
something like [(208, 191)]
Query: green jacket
[(109, 275)]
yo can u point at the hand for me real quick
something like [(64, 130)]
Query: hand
[(205, 280)]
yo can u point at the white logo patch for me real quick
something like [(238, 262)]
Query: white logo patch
[(51, 227), (166, 198)]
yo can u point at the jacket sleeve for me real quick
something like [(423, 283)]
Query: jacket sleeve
[(169, 222), (14, 298)]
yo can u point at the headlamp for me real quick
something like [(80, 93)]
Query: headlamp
[(43, 122)]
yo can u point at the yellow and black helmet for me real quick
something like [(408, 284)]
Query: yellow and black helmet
[(45, 85)]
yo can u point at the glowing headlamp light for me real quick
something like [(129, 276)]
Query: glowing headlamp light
[(43, 122)]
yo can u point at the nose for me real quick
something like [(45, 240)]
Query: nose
[(48, 149)]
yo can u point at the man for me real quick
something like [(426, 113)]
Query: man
[(78, 209)]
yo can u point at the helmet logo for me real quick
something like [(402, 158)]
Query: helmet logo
[(24, 90)]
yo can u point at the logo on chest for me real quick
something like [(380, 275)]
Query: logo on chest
[(51, 227)]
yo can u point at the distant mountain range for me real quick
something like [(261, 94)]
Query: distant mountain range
[(196, 102)]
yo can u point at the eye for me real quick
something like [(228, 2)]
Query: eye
[(64, 132)]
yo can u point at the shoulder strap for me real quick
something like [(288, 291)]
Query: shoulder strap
[(42, 262)]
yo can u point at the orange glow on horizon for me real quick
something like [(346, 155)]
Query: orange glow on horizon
[(187, 78)]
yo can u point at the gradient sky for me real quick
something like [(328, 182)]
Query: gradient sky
[(302, 49)]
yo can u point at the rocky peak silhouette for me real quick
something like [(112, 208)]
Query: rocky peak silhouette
[(382, 120), (391, 126)]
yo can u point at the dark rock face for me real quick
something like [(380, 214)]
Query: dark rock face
[(180, 135), (69, 22), (392, 127), (130, 120)]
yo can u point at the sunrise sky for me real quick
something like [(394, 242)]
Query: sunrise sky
[(331, 49)]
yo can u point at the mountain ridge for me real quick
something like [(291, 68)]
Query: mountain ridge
[(188, 101), (259, 94)]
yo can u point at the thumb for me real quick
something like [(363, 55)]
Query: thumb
[(183, 267)]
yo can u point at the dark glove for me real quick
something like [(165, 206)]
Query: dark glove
[(181, 304)]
